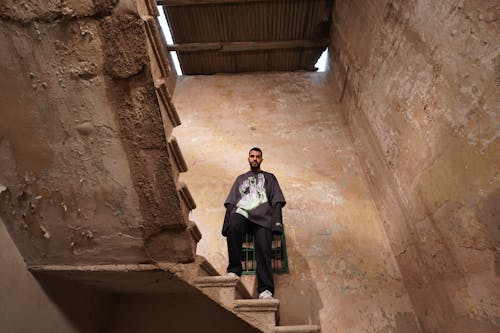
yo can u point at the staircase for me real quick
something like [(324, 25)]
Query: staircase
[(229, 292), (167, 278)]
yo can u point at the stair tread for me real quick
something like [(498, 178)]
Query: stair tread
[(256, 302), (223, 281), (206, 267), (298, 329), (256, 305), (217, 280)]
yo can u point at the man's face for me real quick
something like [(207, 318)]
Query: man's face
[(254, 159)]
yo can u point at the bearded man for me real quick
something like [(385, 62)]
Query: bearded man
[(253, 206)]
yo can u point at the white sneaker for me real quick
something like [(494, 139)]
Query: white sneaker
[(231, 274), (266, 294)]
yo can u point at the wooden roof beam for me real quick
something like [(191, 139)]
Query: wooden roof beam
[(247, 46), (173, 3)]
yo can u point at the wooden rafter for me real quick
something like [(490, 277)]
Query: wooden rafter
[(247, 46), (172, 3)]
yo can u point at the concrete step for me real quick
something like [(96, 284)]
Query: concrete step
[(298, 329), (224, 289), (232, 293), (206, 268), (262, 314)]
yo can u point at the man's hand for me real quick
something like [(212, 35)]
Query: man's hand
[(277, 220), (278, 229)]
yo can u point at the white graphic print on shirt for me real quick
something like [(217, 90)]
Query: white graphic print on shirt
[(253, 194)]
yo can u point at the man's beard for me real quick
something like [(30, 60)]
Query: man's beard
[(254, 167)]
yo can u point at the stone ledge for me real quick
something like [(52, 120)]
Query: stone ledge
[(217, 281), (157, 45), (206, 268), (120, 279), (222, 282), (263, 314), (194, 231), (256, 305), (95, 268), (186, 196), (298, 329), (175, 150), (172, 245), (165, 99), (152, 8)]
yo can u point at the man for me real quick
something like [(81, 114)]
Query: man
[(254, 206)]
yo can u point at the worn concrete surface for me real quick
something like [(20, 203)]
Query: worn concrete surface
[(341, 266), (419, 85), (104, 299), (27, 306), (175, 313), (85, 175)]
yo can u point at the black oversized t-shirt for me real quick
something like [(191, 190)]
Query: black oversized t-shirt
[(254, 194)]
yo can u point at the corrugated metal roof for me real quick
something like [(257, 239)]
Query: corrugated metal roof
[(249, 21)]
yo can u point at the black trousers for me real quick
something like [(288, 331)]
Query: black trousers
[(263, 238)]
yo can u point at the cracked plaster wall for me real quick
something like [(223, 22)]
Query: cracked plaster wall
[(418, 83), (85, 175), (341, 266)]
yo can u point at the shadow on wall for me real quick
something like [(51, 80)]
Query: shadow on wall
[(92, 311), (300, 302), (87, 308), (46, 305), (489, 215), (174, 313)]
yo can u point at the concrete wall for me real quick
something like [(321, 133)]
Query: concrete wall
[(174, 313), (69, 195), (60, 305), (85, 173), (341, 266), (84, 169), (418, 83), (57, 306)]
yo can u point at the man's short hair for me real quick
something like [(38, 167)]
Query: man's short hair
[(255, 149)]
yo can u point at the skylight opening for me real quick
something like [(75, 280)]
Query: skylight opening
[(168, 36), (320, 64), (322, 61)]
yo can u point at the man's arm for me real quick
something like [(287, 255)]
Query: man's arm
[(277, 219), (230, 204), (277, 201), (225, 226), (275, 194)]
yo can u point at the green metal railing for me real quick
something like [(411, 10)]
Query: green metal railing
[(279, 258)]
